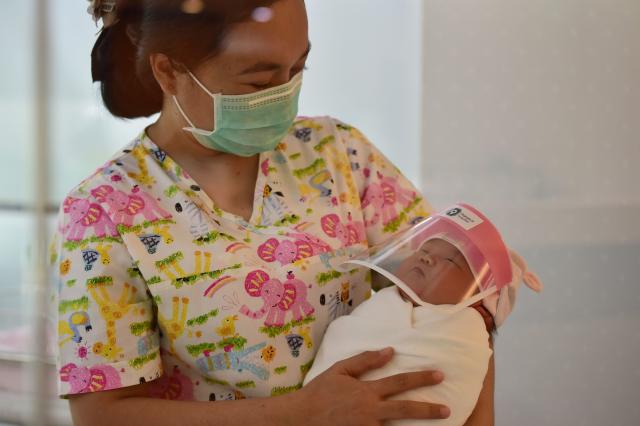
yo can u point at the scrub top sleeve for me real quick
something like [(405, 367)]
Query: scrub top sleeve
[(107, 334), (390, 202)]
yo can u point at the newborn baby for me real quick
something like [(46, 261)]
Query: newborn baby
[(441, 267)]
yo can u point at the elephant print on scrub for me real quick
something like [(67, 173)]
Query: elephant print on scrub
[(85, 214), (124, 207), (96, 378), (348, 233), (175, 386), (284, 251), (383, 196), (317, 245), (278, 297)]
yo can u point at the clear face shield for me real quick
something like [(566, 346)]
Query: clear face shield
[(456, 257)]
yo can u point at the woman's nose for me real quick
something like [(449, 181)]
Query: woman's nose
[(283, 77)]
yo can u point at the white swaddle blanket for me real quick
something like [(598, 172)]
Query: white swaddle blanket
[(423, 338)]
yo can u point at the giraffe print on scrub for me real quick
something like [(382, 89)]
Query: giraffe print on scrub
[(175, 326), (172, 269), (111, 312)]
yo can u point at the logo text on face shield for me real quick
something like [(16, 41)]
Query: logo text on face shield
[(464, 217)]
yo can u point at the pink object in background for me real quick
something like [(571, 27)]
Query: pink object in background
[(18, 340)]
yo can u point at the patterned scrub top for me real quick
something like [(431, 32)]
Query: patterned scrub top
[(156, 283)]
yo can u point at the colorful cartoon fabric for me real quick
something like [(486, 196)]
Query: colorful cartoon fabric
[(156, 283)]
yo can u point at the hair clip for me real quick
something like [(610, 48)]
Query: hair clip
[(104, 10)]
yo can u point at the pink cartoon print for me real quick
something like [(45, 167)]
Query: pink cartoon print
[(350, 232), (124, 207), (383, 196), (284, 251), (174, 386), (317, 244), (279, 298), (84, 379), (85, 214)]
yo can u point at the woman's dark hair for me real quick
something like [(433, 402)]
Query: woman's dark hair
[(120, 56)]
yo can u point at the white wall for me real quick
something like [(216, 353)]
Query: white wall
[(532, 112), (536, 104), (365, 69)]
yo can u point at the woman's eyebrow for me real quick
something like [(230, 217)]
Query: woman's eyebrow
[(271, 66)]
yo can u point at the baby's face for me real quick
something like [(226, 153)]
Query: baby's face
[(438, 273)]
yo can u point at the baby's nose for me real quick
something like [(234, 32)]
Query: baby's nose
[(428, 259)]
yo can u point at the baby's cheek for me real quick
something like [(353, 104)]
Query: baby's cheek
[(416, 282)]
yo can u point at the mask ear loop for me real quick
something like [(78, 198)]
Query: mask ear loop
[(184, 115), (216, 101), (202, 86)]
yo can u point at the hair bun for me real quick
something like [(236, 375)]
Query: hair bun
[(96, 56)]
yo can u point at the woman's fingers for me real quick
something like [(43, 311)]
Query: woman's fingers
[(395, 410), (359, 364), (397, 383)]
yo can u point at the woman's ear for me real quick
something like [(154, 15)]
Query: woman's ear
[(164, 72)]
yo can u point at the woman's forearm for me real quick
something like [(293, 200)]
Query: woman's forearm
[(139, 410)]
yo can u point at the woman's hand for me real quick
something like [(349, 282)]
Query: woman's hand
[(338, 397)]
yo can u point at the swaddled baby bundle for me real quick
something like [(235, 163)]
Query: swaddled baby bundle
[(441, 267)]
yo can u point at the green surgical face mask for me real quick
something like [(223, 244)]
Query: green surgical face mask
[(246, 125)]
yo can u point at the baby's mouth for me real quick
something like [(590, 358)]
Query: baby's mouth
[(420, 271)]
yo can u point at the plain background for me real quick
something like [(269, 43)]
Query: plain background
[(529, 110)]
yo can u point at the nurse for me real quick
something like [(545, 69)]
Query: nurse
[(198, 264)]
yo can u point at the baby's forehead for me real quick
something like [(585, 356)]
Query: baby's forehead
[(440, 245)]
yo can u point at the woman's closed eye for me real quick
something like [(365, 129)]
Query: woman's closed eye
[(261, 85)]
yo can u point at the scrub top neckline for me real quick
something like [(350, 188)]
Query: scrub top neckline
[(185, 181)]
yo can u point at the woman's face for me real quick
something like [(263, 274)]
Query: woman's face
[(438, 273), (255, 55)]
